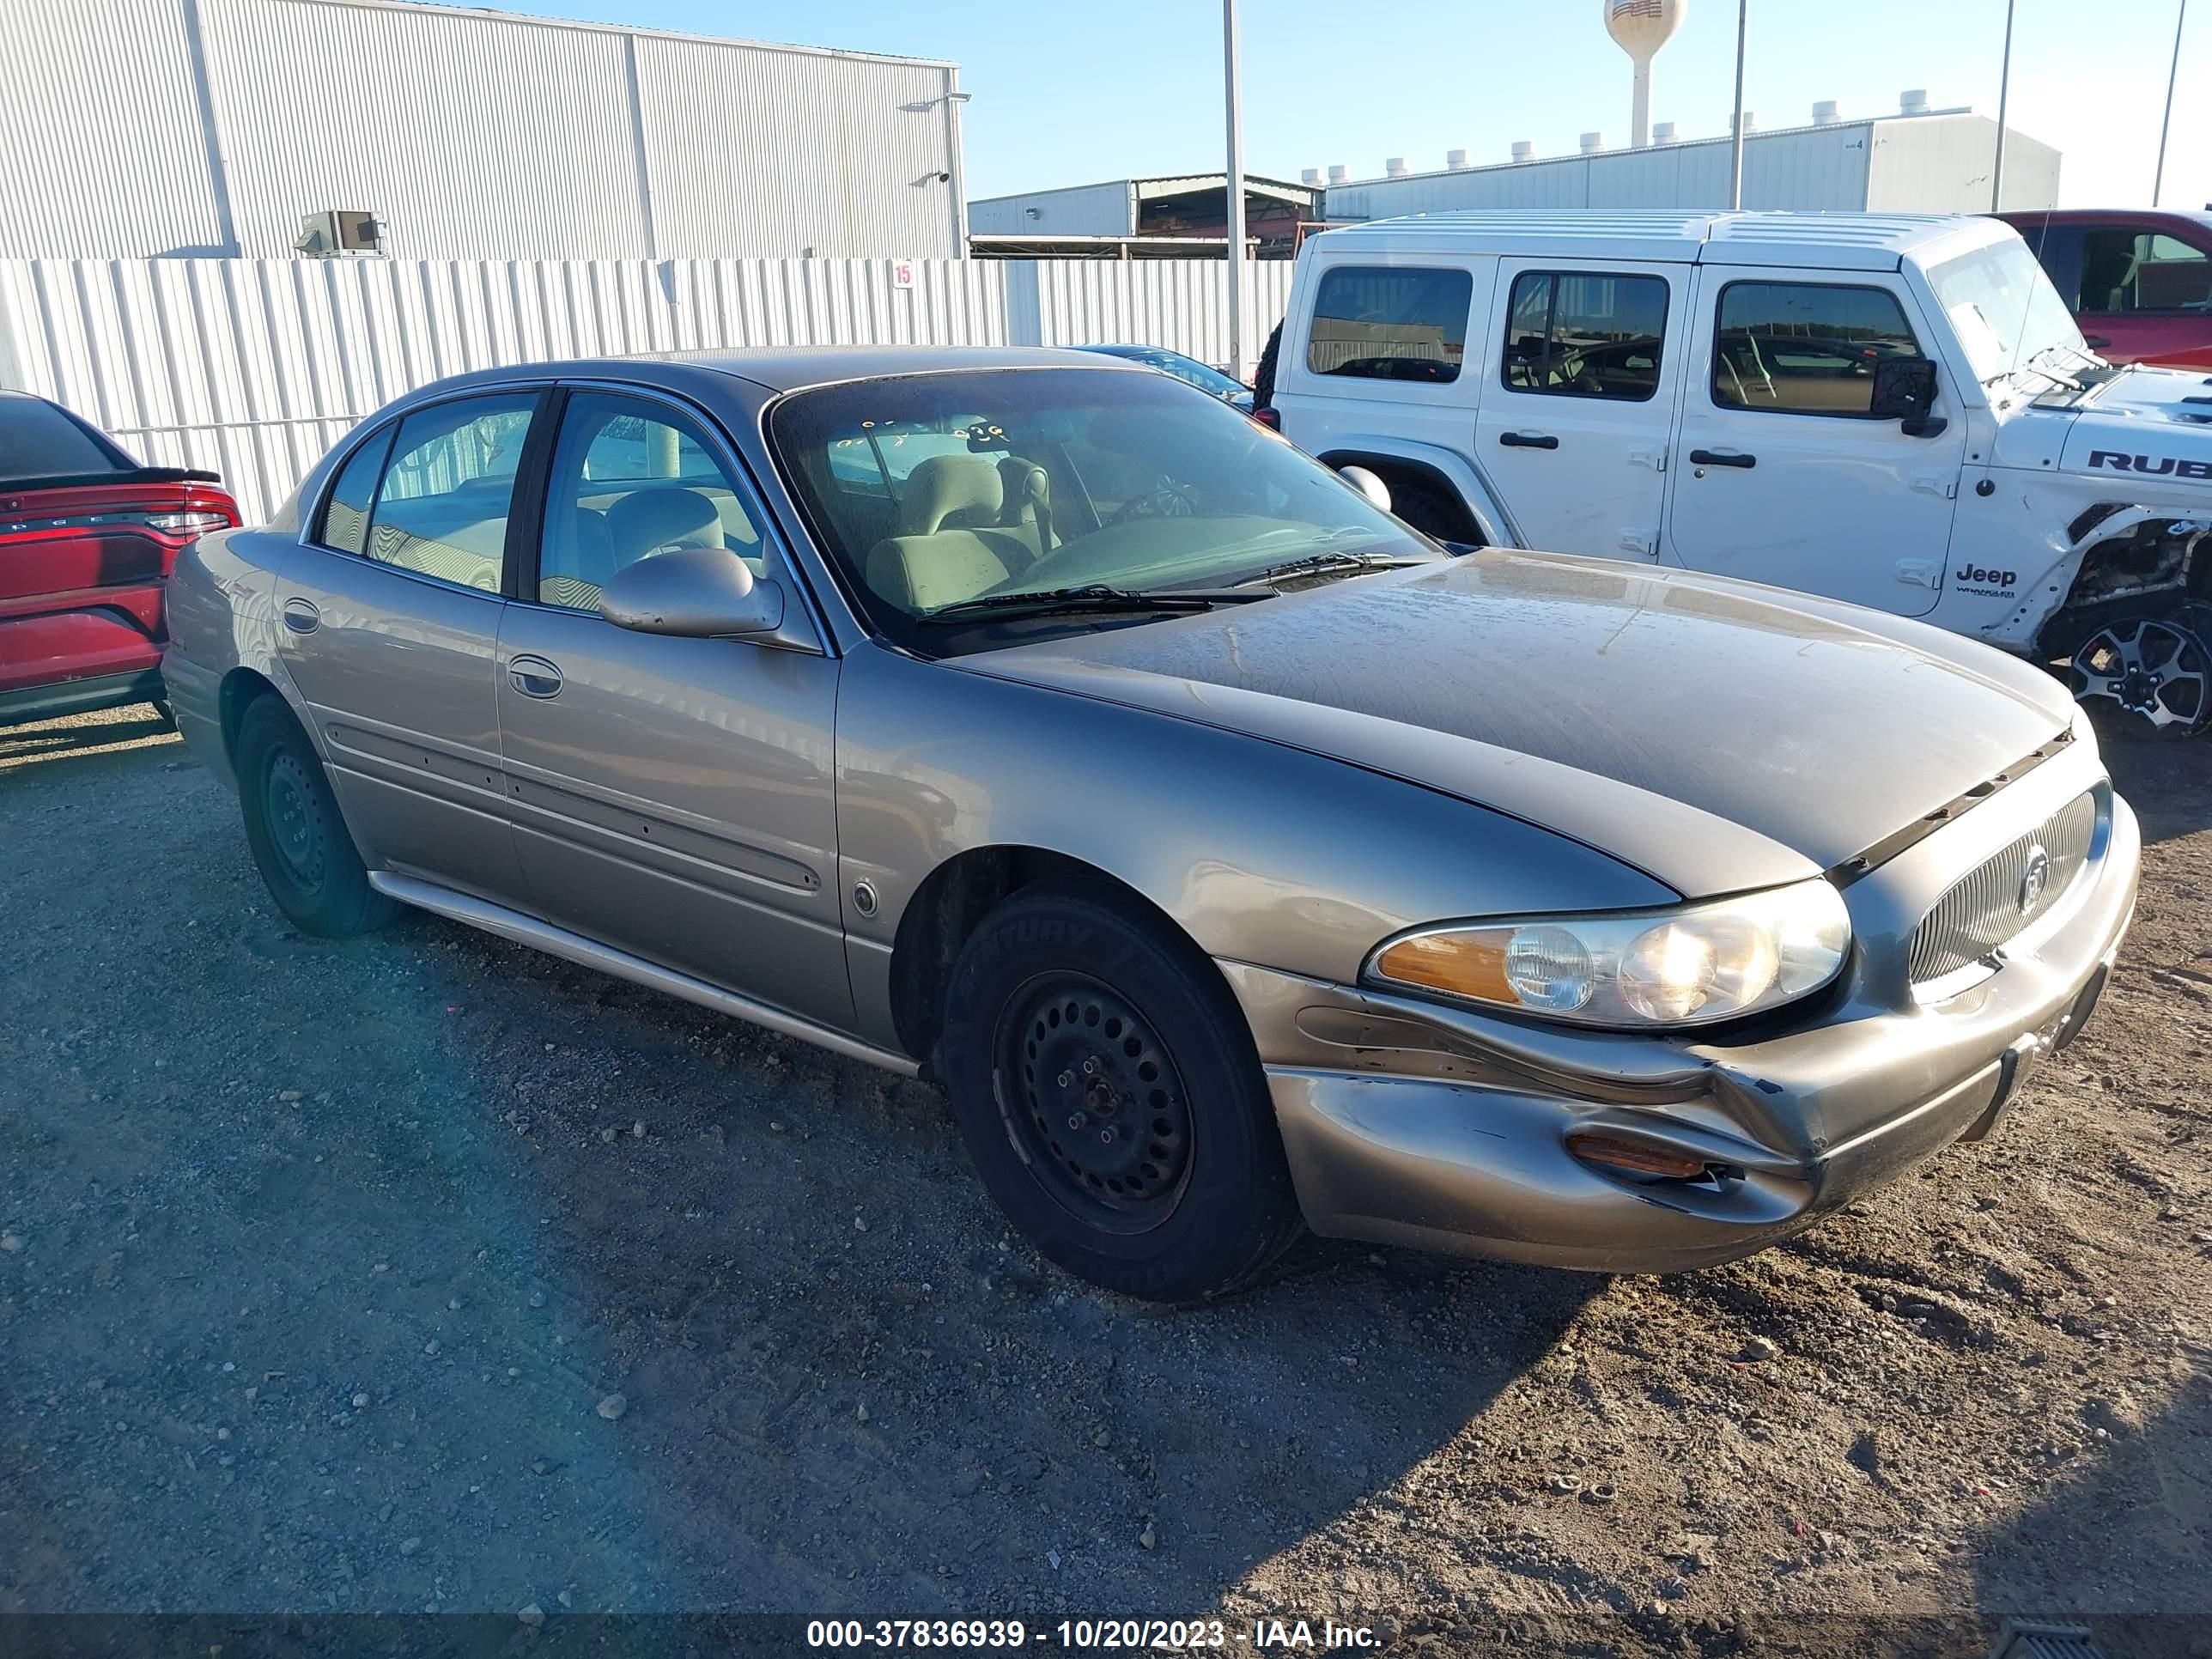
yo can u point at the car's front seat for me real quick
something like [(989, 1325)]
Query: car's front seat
[(661, 520), (947, 548)]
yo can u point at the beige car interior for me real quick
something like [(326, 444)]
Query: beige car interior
[(613, 522), (966, 525)]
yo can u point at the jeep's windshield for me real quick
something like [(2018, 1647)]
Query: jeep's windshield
[(932, 491), (2002, 308)]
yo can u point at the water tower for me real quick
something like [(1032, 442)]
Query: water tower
[(1640, 27)]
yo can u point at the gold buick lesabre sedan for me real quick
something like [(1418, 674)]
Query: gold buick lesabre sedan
[(1237, 858)]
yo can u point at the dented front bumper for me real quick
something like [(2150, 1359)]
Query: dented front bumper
[(1446, 1128)]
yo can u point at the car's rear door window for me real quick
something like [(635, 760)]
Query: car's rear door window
[(1805, 347), (1585, 334), (442, 506), (633, 477), (1390, 323), (2124, 269)]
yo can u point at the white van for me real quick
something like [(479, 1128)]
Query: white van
[(1898, 411)]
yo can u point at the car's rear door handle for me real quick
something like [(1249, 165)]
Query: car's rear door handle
[(1722, 457), (534, 676), (302, 616), (1527, 441)]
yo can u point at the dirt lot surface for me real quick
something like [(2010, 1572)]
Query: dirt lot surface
[(428, 1272)]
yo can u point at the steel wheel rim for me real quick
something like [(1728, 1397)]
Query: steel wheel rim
[(295, 821), (1094, 1102), (2160, 671)]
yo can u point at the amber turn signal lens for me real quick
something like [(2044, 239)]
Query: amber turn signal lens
[(1470, 963), (1638, 1157)]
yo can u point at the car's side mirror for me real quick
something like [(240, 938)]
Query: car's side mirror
[(1367, 484), (1904, 391), (694, 592)]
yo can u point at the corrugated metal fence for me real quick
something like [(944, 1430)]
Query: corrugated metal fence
[(254, 367)]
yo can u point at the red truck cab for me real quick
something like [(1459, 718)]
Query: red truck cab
[(87, 539), (2138, 281)]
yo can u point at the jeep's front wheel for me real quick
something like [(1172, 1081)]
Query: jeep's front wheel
[(1105, 1083), (2157, 668)]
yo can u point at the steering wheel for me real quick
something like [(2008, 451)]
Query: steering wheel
[(1168, 499)]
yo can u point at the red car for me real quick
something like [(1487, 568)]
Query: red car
[(87, 537), (2139, 282)]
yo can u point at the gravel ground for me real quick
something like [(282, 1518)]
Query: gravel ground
[(425, 1271)]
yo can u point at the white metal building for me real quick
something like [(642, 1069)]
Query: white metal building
[(1916, 161), (1184, 206), (144, 128)]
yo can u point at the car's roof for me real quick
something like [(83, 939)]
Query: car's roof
[(787, 368), (1858, 241), (2096, 216)]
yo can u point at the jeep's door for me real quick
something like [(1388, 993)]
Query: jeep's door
[(1782, 473), (1574, 426)]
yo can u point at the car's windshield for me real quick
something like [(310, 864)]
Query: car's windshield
[(932, 491), (2003, 307), (1201, 375)]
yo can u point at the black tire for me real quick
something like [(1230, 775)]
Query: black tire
[(301, 843), (1208, 1203), (1263, 377)]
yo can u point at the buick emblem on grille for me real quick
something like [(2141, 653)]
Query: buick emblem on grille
[(2034, 879)]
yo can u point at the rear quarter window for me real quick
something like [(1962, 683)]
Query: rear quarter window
[(40, 441), (1390, 323)]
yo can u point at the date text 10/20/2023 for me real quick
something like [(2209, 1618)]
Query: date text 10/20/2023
[(1086, 1634)]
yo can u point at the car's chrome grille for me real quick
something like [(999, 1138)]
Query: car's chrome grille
[(1987, 908)]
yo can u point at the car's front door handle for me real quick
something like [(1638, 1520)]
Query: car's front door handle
[(1722, 457), (1527, 441), (302, 616), (534, 676)]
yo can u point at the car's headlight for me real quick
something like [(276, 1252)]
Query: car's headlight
[(1691, 965)]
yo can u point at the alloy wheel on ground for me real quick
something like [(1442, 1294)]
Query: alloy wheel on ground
[(2157, 669)]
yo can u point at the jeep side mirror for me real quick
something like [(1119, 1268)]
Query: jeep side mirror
[(1904, 391)]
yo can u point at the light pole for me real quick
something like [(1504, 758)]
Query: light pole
[(1235, 192), (2158, 181), (1735, 150), (2004, 92)]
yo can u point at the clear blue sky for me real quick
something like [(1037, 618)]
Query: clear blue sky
[(1073, 91)]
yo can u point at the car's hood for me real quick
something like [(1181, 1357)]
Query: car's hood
[(2147, 423), (1717, 735)]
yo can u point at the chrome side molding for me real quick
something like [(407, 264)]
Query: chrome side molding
[(588, 953)]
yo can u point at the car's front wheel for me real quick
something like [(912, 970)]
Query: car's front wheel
[(1106, 1084), (299, 843)]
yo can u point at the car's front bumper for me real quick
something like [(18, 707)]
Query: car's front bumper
[(1446, 1128)]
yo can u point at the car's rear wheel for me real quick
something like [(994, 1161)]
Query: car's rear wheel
[(1106, 1084), (299, 843)]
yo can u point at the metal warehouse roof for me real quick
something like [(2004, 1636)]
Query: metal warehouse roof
[(1853, 241)]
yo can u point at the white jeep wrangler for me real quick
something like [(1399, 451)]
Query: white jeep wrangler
[(1895, 411)]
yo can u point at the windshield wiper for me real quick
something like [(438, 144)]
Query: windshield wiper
[(1325, 564), (1095, 598)]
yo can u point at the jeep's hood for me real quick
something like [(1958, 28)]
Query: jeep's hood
[(2148, 423), (1715, 734)]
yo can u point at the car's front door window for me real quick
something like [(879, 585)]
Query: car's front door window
[(632, 479)]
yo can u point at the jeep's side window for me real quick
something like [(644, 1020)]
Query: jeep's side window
[(1805, 347), (1585, 334), (1379, 322)]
